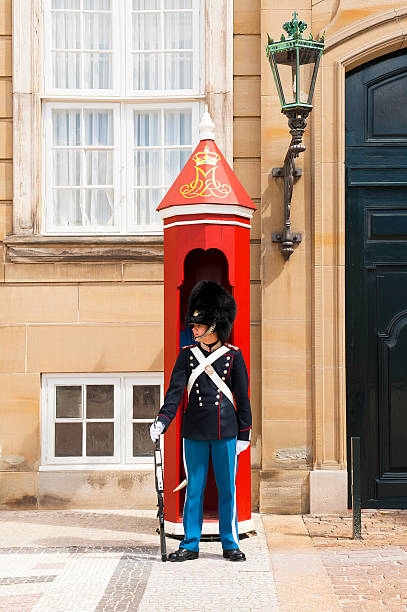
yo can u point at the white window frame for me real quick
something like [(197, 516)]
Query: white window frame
[(117, 25), (128, 155), (144, 378), (48, 186), (28, 97), (197, 55), (123, 442), (123, 165)]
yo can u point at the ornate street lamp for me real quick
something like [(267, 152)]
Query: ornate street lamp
[(294, 62)]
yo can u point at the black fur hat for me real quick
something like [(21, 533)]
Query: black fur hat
[(209, 303)]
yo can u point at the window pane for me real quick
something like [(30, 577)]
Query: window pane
[(147, 168), (178, 30), (66, 127), (146, 31), (68, 439), (67, 209), (142, 444), (146, 71), (147, 129), (145, 204), (99, 167), (99, 207), (97, 30), (146, 4), (174, 160), (98, 128), (66, 30), (99, 439), (100, 401), (97, 5), (65, 70), (178, 70), (177, 4), (68, 402), (146, 401), (66, 4), (178, 127), (97, 71), (66, 167)]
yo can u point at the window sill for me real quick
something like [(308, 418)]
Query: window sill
[(99, 467), (37, 249)]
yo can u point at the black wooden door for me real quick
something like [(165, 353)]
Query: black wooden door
[(376, 275)]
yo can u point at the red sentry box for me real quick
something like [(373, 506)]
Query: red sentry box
[(206, 215)]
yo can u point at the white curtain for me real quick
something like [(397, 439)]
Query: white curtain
[(162, 145), (82, 44), (78, 162), (164, 68)]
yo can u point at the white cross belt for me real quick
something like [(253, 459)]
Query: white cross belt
[(201, 367)]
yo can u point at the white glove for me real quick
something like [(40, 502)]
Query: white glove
[(156, 430), (241, 445)]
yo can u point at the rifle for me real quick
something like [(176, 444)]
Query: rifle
[(159, 487)]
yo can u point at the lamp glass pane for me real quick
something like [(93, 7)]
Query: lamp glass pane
[(287, 65), (307, 60)]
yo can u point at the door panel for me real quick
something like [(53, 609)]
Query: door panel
[(376, 275)]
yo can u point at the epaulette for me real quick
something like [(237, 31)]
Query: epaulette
[(235, 348), (189, 346)]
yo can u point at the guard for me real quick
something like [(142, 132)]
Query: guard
[(218, 417)]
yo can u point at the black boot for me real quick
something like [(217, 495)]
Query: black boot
[(183, 554), (235, 554)]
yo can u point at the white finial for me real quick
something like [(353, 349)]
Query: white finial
[(207, 126)]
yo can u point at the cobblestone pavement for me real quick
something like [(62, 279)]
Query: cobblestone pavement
[(109, 561), (367, 574)]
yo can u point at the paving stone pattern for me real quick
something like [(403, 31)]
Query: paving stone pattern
[(128, 582), (367, 574), (109, 561)]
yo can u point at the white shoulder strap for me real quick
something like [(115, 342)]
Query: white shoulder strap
[(203, 362)]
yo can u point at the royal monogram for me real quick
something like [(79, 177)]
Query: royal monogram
[(205, 183)]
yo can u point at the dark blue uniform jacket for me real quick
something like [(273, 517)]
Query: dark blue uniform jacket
[(210, 415)]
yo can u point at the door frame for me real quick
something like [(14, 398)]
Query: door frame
[(345, 49)]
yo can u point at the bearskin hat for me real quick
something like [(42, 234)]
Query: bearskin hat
[(210, 303)]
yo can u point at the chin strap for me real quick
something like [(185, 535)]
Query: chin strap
[(208, 331)]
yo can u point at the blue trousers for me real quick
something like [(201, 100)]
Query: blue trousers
[(224, 461)]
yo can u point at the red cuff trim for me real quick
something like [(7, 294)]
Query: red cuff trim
[(165, 417), (247, 429)]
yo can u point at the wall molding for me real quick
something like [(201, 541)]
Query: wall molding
[(348, 48)]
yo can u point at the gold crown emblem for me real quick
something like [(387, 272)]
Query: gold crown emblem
[(206, 157)]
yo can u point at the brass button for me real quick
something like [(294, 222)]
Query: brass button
[(217, 396), (225, 371), (199, 398), (197, 391), (223, 378), (200, 403), (216, 403)]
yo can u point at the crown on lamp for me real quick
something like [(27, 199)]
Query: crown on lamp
[(206, 157)]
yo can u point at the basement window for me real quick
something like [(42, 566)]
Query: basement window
[(95, 420)]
